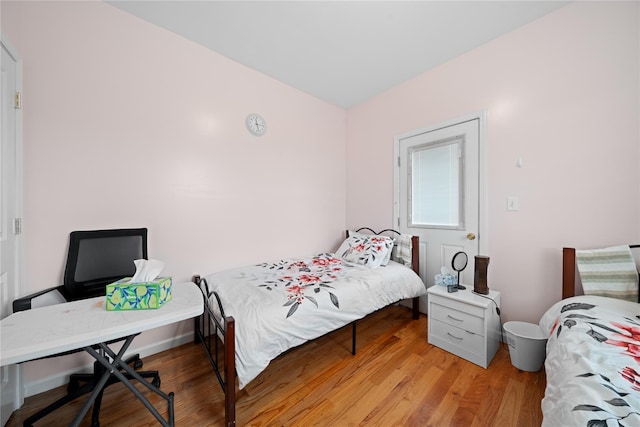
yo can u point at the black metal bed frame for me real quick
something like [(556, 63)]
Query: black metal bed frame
[(208, 328)]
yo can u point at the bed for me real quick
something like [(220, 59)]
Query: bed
[(255, 313), (593, 355)]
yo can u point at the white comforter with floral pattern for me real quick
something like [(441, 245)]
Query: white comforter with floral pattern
[(280, 305), (593, 363)]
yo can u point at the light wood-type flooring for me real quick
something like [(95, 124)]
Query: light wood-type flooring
[(395, 379)]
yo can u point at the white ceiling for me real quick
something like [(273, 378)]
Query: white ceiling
[(344, 52)]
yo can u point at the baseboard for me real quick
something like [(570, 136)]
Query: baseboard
[(61, 378)]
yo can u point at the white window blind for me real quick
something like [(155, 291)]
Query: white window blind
[(437, 184)]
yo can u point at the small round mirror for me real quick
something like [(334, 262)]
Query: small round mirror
[(459, 263)]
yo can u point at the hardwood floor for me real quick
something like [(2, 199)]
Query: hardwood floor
[(396, 378)]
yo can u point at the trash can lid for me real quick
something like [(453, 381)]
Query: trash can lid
[(525, 329)]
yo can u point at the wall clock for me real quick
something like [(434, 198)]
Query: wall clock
[(256, 124)]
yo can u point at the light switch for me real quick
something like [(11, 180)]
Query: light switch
[(513, 204)]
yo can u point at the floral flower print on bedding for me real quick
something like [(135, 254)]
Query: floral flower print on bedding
[(366, 250), (625, 336), (632, 376), (630, 340), (305, 280)]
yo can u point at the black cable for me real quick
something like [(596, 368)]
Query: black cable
[(497, 312)]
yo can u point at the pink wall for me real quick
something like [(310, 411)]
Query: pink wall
[(562, 93), (129, 125)]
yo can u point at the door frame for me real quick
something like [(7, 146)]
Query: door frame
[(483, 221), (15, 371)]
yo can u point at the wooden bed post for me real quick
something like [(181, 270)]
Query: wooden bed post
[(230, 372), (415, 265), (568, 272)]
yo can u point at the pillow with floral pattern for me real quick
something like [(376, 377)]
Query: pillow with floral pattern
[(390, 255), (370, 251)]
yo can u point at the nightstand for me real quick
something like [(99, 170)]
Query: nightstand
[(464, 323)]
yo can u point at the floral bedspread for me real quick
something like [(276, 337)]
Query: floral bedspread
[(305, 281), (593, 363), (280, 305)]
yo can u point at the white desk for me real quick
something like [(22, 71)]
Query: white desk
[(46, 331)]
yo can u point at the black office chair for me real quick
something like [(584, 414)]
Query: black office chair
[(95, 259)]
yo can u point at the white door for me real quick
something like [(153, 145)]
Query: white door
[(438, 192), (11, 397)]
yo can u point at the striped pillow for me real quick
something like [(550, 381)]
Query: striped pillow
[(404, 250), (609, 272)]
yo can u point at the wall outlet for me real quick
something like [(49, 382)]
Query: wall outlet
[(513, 204)]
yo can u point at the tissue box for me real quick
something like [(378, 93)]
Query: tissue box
[(124, 295), (446, 279)]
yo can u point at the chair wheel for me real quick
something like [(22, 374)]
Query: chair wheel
[(137, 364), (156, 382)]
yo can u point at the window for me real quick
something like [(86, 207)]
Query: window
[(435, 197)]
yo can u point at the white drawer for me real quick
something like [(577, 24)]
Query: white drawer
[(465, 307), (463, 320), (451, 338)]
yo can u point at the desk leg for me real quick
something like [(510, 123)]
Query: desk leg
[(124, 366), (99, 388), (113, 367)]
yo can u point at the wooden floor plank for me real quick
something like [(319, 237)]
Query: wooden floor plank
[(396, 378), (397, 406), (508, 413)]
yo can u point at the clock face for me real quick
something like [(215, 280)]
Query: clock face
[(256, 124)]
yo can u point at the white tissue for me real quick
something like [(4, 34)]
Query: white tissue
[(146, 270), (444, 270)]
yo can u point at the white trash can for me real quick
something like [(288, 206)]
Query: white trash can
[(527, 345)]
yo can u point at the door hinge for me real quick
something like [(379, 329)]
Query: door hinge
[(398, 161), (17, 226), (398, 222), (17, 104)]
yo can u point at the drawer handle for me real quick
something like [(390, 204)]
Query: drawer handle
[(453, 318), (453, 336)]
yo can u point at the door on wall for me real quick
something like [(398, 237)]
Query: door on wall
[(11, 397), (439, 190)]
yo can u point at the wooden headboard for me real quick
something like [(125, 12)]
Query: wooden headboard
[(569, 270)]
